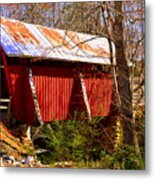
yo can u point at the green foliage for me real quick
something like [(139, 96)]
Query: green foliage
[(80, 142), (126, 158), (72, 140)]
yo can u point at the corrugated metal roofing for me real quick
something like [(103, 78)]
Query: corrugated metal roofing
[(21, 39)]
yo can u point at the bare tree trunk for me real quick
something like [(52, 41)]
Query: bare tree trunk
[(123, 77)]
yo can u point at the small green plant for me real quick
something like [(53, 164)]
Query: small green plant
[(79, 141), (125, 158)]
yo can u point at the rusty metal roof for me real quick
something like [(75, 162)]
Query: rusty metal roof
[(21, 39)]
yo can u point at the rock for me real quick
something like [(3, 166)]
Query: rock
[(10, 161), (1, 162), (8, 158), (17, 164), (29, 160)]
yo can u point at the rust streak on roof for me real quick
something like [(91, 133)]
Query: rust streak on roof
[(84, 44), (28, 40), (55, 36), (19, 32), (76, 39)]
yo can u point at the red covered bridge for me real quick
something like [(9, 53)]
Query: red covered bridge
[(51, 74)]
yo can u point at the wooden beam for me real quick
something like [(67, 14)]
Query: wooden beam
[(35, 99), (85, 97), (8, 83), (4, 100), (7, 73)]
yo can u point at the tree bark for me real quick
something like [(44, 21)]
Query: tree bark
[(123, 78)]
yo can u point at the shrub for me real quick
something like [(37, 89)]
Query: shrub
[(80, 141)]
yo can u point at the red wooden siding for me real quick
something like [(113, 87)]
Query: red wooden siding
[(22, 103), (53, 88), (99, 91), (59, 93)]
